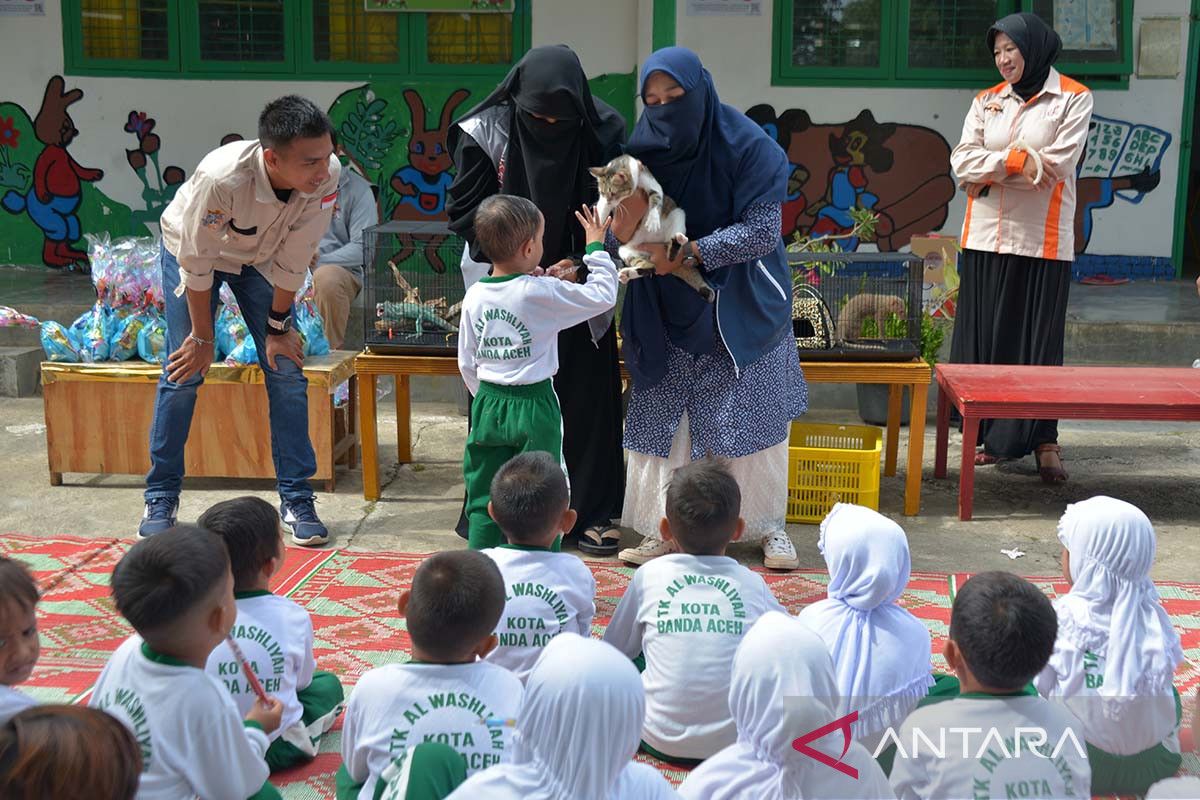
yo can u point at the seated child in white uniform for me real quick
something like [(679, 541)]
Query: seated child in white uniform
[(783, 687), (19, 646), (547, 592), (687, 613), (447, 694), (1114, 662), (55, 751), (274, 633), (579, 691), (998, 738), (176, 590), (881, 652)]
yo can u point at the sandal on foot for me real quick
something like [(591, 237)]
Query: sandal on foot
[(983, 459), (1050, 475), (600, 540)]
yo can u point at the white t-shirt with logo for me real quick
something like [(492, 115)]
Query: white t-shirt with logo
[(1144, 721), (687, 614), (276, 636), (968, 748), (13, 702), (469, 707), (192, 738), (545, 594)]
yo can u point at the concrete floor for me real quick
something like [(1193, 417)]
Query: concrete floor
[(1152, 465)]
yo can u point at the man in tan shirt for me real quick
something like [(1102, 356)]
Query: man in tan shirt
[(250, 216)]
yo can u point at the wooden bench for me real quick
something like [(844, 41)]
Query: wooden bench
[(896, 374), (98, 419), (984, 391)]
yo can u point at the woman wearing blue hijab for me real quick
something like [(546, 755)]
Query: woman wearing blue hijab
[(719, 380)]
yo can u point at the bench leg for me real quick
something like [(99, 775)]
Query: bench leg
[(943, 434), (916, 450), (895, 394), (966, 478), (369, 436)]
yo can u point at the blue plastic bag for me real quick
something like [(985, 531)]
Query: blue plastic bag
[(125, 331), (312, 330), (91, 332), (230, 330), (57, 343), (152, 339)]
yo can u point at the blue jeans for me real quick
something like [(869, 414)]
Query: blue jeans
[(287, 390)]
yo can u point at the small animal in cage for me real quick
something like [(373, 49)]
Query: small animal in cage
[(664, 221), (411, 314), (878, 308)]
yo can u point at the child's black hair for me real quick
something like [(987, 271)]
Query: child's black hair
[(249, 527), (455, 602), (529, 495), (17, 587), (1005, 628), (703, 507), (291, 117), (161, 579), (503, 224)]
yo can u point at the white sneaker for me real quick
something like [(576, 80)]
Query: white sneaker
[(779, 553), (650, 548)]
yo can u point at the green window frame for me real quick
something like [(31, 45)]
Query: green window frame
[(894, 70), (185, 59)]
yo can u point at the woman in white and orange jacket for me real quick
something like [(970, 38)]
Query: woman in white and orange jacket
[(1021, 144)]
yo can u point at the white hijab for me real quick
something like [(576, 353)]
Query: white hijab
[(1113, 609), (881, 651), (577, 731), (783, 687)]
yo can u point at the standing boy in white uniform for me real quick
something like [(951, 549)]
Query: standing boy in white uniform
[(508, 344), (547, 593), (447, 694), (274, 633), (687, 612), (176, 590), (998, 738)]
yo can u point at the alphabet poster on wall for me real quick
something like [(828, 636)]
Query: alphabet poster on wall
[(1116, 148)]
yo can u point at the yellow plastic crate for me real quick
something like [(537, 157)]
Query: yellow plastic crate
[(830, 464)]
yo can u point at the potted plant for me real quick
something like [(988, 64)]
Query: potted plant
[(873, 397)]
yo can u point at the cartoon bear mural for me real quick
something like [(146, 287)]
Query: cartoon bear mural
[(901, 172)]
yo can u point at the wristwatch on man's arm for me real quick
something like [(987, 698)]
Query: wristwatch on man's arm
[(279, 322)]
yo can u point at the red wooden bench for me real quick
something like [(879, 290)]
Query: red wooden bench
[(984, 391)]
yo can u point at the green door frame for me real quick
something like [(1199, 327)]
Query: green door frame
[(1186, 144), (663, 25)]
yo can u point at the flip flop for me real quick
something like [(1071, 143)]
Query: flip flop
[(600, 540)]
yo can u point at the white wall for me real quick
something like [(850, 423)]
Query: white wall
[(737, 51)]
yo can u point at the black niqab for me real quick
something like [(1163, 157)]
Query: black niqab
[(548, 162), (1039, 46)]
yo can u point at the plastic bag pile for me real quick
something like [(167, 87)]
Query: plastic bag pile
[(127, 320)]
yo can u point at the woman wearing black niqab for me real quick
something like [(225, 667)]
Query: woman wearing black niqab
[(536, 136)]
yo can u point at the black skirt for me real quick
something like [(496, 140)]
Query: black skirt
[(1011, 310), (588, 385)]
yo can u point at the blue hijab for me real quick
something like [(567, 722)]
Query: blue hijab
[(715, 162)]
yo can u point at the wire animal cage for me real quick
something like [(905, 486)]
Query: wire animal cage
[(857, 306), (413, 288)]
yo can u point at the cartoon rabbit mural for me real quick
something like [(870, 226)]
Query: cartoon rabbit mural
[(421, 186), (57, 191)]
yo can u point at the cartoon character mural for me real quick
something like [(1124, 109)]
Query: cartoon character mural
[(901, 172), (57, 191), (421, 186)]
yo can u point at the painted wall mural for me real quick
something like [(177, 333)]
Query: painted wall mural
[(1121, 160), (49, 196), (156, 194), (901, 172)]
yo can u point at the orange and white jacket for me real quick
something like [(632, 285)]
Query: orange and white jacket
[(1015, 216)]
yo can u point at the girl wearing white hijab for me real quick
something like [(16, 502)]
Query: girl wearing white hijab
[(577, 731), (783, 687), (881, 651), (1115, 658)]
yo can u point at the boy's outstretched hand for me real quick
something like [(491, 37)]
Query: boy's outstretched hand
[(593, 227), (268, 717)]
